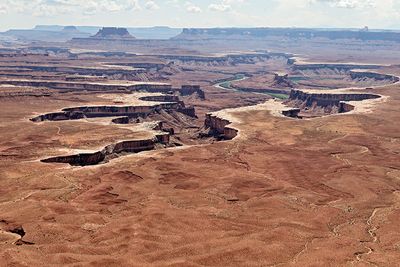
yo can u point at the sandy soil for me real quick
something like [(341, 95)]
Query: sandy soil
[(286, 192)]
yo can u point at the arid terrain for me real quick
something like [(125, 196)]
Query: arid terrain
[(194, 151)]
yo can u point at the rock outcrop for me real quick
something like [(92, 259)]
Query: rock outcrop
[(332, 102), (125, 113), (76, 113), (92, 86), (282, 80), (113, 33), (132, 146), (82, 159), (359, 74), (230, 59), (192, 89), (219, 127), (292, 113), (98, 71), (287, 33)]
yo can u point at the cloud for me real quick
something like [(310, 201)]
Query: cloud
[(219, 7), (50, 8), (224, 5), (348, 3), (151, 5), (191, 8)]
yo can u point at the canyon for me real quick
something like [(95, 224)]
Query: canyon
[(216, 147)]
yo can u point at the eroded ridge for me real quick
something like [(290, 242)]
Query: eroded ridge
[(325, 102), (218, 127), (169, 103), (112, 151)]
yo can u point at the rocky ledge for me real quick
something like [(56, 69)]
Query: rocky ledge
[(329, 101), (218, 127), (111, 151)]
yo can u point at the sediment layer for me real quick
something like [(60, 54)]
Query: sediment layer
[(334, 101), (76, 113), (132, 146), (72, 86), (219, 127)]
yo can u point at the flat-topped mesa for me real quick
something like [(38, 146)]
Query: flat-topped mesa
[(93, 158), (81, 159), (228, 59), (288, 33), (219, 127), (298, 64), (331, 102), (70, 29), (92, 86), (98, 71), (169, 103), (192, 89), (361, 74), (106, 111), (113, 33)]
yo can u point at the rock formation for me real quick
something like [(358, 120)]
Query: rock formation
[(113, 33), (192, 89), (331, 102), (282, 80), (70, 29), (134, 146), (74, 70), (288, 33), (76, 113), (92, 86), (292, 113), (219, 127), (361, 74)]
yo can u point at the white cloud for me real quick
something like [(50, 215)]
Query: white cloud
[(190, 7), (57, 7), (348, 3), (3, 9), (151, 5), (219, 7), (225, 5)]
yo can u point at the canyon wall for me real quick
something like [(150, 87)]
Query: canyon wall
[(92, 71), (218, 127), (111, 111), (192, 89), (287, 33), (132, 146), (332, 101), (71, 86), (82, 159), (373, 75)]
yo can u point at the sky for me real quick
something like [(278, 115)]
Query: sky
[(376, 14)]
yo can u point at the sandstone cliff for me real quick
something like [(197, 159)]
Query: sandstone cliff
[(219, 127)]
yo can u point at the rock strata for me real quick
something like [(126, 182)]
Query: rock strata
[(219, 127), (332, 102), (132, 146), (192, 89), (91, 86)]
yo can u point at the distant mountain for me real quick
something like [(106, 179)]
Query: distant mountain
[(113, 33), (158, 32), (244, 33), (70, 29), (65, 34)]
